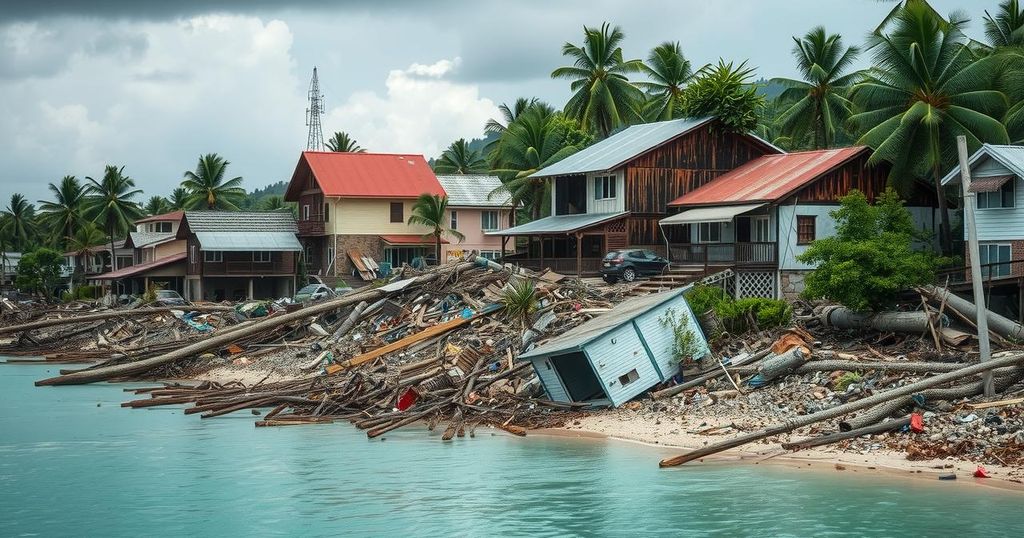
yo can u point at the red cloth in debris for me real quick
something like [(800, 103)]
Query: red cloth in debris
[(916, 423), (980, 472)]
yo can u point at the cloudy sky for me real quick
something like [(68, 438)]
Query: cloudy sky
[(152, 84)]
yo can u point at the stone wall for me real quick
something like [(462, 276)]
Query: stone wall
[(791, 284), (369, 245)]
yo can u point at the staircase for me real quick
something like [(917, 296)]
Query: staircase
[(676, 276)]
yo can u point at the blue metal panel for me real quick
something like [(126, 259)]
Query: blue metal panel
[(615, 354), (659, 337), (549, 378)]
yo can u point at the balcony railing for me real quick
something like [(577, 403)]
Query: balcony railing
[(314, 225), (751, 254), (591, 266), (248, 268)]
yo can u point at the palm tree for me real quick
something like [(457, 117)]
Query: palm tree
[(178, 200), (64, 213), (206, 186), (509, 114), (533, 141), (342, 143), (926, 88), (109, 203), (429, 210), (818, 104), (1006, 27), (669, 72), (19, 222), (603, 98), (459, 158), (157, 205)]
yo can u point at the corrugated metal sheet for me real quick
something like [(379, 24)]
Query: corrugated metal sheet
[(474, 191), (366, 175), (409, 239), (560, 224), (621, 314), (709, 214), (769, 178), (249, 241), (622, 146), (1010, 157), (241, 221)]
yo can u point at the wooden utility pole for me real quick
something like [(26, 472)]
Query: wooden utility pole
[(970, 202)]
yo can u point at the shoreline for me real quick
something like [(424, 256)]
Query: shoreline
[(882, 462)]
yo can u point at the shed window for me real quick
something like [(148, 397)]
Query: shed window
[(488, 220), (604, 187), (805, 229), (213, 256), (628, 377), (997, 199), (397, 212)]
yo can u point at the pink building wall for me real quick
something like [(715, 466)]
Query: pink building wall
[(469, 224)]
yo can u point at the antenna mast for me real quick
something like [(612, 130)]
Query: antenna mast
[(315, 141)]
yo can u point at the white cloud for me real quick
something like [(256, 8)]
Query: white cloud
[(422, 111)]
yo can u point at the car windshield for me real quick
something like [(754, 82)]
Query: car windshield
[(611, 255), (167, 294), (310, 288)]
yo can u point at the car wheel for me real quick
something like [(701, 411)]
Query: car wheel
[(628, 274)]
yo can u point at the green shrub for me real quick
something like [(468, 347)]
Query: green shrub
[(684, 340), (84, 293), (742, 315), (705, 298)]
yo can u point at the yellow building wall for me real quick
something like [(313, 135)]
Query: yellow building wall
[(356, 216), (170, 248)]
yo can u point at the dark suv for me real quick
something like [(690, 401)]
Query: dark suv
[(629, 264)]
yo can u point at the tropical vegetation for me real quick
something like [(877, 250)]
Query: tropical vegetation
[(207, 188), (460, 158), (341, 142), (429, 211)]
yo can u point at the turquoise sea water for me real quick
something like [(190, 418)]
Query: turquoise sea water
[(71, 468)]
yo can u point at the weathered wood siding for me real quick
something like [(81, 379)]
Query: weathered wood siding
[(663, 174)]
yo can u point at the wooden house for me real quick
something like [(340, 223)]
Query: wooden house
[(613, 194), (618, 355)]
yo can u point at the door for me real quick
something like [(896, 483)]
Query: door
[(578, 377), (743, 229)]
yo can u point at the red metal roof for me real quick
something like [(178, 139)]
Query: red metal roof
[(365, 175), (409, 239), (769, 178), (133, 270), (173, 216)]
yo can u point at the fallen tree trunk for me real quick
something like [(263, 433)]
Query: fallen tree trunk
[(838, 411), (890, 408), (223, 339), (840, 317), (350, 322), (881, 427), (778, 365), (998, 324), (98, 316)]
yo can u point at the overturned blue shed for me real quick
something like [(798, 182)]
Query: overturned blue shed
[(619, 354)]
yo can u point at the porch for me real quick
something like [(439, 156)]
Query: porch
[(741, 236), (753, 255), (570, 244)]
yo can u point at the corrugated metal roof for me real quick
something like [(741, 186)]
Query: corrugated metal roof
[(133, 270), (622, 313), (142, 239), (990, 184), (172, 216), (249, 241), (474, 191), (1011, 157), (364, 175), (709, 214), (409, 239), (241, 221), (620, 147), (560, 224), (769, 178)]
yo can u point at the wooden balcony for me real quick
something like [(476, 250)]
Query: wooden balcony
[(228, 268), (732, 254), (315, 225)]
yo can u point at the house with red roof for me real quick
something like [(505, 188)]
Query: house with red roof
[(757, 218), (353, 209)]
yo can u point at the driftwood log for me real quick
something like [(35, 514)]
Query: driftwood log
[(109, 314), (881, 427), (998, 324), (838, 411), (840, 317)]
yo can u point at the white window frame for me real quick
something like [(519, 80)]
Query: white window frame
[(454, 221), (490, 254), (757, 222), (606, 187), (305, 211), (987, 196), (704, 229), (158, 227), (213, 256), (483, 220), (261, 256), (985, 257), (192, 254)]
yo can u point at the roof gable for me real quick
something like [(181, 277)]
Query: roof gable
[(769, 178), (364, 175), (1010, 157), (173, 216)]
